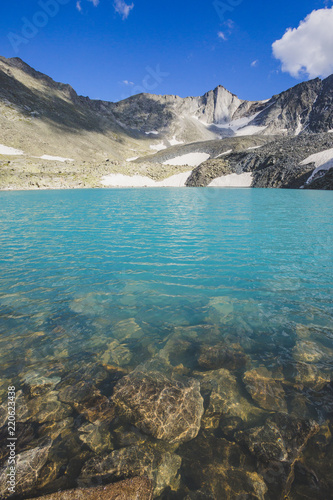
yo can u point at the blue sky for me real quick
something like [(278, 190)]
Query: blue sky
[(109, 51)]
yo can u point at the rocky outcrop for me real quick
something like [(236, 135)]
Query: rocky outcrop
[(274, 165), (138, 488), (166, 408)]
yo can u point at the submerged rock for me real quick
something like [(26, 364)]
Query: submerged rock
[(310, 376), (227, 407), (55, 429), (158, 405), (78, 392), (127, 329), (266, 391), (313, 473), (221, 356), (214, 468), (97, 437), (97, 409), (38, 384), (306, 351), (28, 466), (160, 466), (277, 445), (48, 408), (138, 488), (116, 354), (281, 438)]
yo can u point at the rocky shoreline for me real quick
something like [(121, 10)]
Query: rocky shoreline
[(217, 426)]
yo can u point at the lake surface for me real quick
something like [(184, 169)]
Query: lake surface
[(229, 287)]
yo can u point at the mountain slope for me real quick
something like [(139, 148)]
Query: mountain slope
[(61, 139)]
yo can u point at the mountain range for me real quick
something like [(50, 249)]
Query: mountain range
[(52, 137)]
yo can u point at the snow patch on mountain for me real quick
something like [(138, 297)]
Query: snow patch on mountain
[(191, 159), (225, 153), (323, 161), (158, 147), (6, 150), (120, 180), (55, 158), (233, 180)]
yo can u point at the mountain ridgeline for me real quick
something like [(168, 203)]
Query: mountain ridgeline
[(64, 140)]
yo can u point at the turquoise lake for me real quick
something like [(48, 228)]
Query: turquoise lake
[(95, 283)]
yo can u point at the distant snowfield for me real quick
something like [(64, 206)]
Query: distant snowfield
[(55, 158), (6, 150), (132, 159), (191, 159), (323, 161), (225, 153), (158, 147), (250, 130), (254, 147), (120, 180), (233, 180), (174, 141)]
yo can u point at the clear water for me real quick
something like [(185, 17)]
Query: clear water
[(252, 266)]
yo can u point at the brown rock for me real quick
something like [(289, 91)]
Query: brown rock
[(138, 488), (158, 405), (265, 390)]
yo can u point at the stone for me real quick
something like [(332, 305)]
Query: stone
[(313, 472), (278, 446), (116, 354), (160, 466), (48, 408), (137, 488), (28, 465), (160, 406), (306, 351), (55, 429), (266, 391), (281, 438), (25, 435), (97, 437), (38, 384), (22, 408), (227, 407), (310, 376), (127, 329), (78, 392), (221, 356), (128, 436), (97, 409), (216, 468)]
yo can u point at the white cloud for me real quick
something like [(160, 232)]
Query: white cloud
[(254, 63), (122, 8), (308, 49), (222, 35), (126, 82), (79, 2)]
